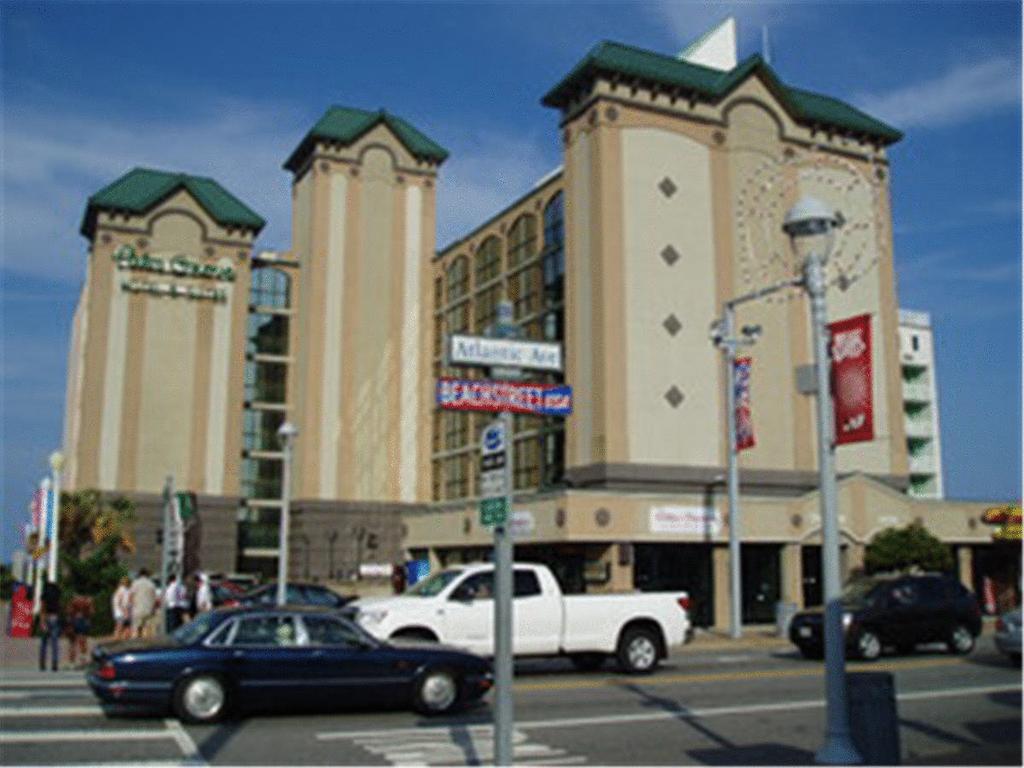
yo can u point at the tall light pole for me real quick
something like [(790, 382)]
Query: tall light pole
[(286, 434), (811, 227), (56, 465), (723, 336)]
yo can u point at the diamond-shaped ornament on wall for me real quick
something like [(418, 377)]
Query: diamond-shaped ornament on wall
[(672, 325), (670, 255), (667, 187), (674, 396)]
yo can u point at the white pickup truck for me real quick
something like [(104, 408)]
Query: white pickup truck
[(456, 607)]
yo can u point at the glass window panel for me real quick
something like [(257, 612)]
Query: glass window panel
[(522, 240), (265, 382), (268, 334), (271, 287), (261, 478), (458, 278), (260, 430), (488, 260), (278, 631)]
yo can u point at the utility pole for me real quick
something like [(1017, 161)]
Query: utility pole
[(165, 553)]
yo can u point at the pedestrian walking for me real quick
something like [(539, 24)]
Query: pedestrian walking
[(398, 578), (204, 593), (80, 613), (121, 608), (144, 601), (50, 623), (175, 603)]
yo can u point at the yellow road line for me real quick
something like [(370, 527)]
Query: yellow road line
[(712, 677)]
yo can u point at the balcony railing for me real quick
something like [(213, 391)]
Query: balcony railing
[(923, 464), (918, 428), (916, 393)]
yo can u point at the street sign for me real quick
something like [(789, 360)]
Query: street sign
[(493, 511), (514, 397), (492, 461), (507, 353)]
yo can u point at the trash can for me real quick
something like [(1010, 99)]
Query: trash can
[(784, 613), (874, 722)]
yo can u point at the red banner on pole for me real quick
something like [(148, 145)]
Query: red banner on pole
[(744, 416), (851, 379)]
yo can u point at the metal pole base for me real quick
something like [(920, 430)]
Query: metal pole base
[(838, 750)]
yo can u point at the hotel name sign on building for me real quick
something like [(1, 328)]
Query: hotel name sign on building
[(176, 265)]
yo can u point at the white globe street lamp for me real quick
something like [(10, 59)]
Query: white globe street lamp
[(811, 227), (286, 434)]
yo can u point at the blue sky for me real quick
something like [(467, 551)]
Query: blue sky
[(227, 90)]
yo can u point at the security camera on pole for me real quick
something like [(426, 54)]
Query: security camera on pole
[(504, 357)]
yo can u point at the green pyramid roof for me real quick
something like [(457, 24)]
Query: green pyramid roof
[(610, 58), (346, 124), (142, 188)]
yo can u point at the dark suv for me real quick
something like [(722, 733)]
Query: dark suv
[(900, 611)]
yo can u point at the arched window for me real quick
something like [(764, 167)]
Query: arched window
[(522, 240), (488, 260), (554, 246), (271, 287), (458, 279)]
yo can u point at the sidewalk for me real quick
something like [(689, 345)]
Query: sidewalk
[(22, 653)]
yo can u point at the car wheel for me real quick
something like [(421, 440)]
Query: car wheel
[(437, 692), (588, 662), (422, 635), (960, 641), (809, 652), (200, 699), (638, 651), (869, 647)]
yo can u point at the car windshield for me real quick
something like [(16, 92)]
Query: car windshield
[(195, 630), (435, 584), (860, 592)]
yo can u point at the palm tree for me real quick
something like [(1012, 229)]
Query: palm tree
[(88, 518)]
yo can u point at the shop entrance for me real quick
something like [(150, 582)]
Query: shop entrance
[(996, 575), (762, 582), (678, 567), (810, 568)]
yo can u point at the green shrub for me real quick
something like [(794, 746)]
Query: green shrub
[(900, 549)]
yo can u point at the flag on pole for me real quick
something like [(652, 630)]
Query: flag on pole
[(37, 508), (744, 416), (43, 528), (51, 515), (852, 379)]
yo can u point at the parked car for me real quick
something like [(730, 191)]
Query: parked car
[(901, 611), (233, 659), (1008, 637), (455, 606), (295, 594)]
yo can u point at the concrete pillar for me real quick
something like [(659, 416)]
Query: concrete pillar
[(965, 565), (720, 571), (792, 575), (854, 558)]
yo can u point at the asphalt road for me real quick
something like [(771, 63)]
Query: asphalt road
[(713, 708)]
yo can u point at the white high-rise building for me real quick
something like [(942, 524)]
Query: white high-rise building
[(921, 404)]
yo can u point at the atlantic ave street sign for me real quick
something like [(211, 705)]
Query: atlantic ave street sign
[(507, 353), (515, 397)]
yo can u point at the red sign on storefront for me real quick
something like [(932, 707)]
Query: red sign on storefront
[(851, 379)]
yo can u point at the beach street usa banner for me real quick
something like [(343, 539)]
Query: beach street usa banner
[(851, 379), (744, 417)]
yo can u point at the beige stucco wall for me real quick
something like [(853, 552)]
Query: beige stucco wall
[(153, 389), (653, 291)]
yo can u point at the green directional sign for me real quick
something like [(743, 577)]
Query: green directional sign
[(493, 511)]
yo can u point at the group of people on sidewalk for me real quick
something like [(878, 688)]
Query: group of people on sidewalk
[(135, 606)]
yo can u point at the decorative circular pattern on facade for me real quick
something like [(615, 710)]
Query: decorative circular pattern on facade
[(105, 238), (972, 523), (354, 171), (764, 252), (467, 525), (243, 255), (612, 114), (209, 250), (796, 521), (428, 184), (142, 242), (400, 179), (718, 137), (560, 517), (602, 517), (324, 165)]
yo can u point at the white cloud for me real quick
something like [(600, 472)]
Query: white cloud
[(54, 159), (964, 93), (486, 171)]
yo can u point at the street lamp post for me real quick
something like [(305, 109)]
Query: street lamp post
[(286, 434), (56, 465), (723, 335), (811, 227)]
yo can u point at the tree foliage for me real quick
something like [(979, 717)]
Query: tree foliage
[(900, 549), (93, 530)]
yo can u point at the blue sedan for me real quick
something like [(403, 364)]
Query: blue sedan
[(235, 659)]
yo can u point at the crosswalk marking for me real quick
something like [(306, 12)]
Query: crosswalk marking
[(82, 711), (23, 737), (446, 746)]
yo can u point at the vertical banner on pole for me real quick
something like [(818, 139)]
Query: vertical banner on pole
[(744, 416), (852, 380)]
